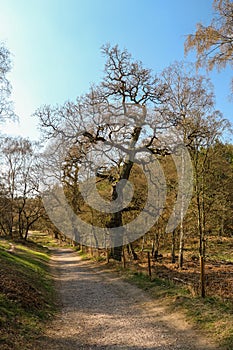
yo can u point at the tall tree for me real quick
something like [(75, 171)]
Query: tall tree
[(117, 119), (214, 43), (189, 100), (6, 110)]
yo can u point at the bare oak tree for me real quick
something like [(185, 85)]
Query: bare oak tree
[(118, 119)]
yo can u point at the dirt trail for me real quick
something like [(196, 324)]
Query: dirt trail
[(100, 311)]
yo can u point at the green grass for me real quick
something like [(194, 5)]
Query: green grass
[(27, 298), (43, 239), (4, 244), (83, 255), (160, 288), (88, 256), (220, 249), (211, 315)]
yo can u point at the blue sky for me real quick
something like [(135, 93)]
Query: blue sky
[(55, 46)]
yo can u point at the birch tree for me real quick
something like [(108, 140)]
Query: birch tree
[(214, 43), (189, 100)]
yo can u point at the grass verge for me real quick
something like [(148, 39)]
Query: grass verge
[(26, 293)]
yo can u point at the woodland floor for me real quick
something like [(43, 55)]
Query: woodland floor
[(101, 311)]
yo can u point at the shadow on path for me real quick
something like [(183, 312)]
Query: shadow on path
[(100, 311)]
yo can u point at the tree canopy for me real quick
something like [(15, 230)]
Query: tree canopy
[(6, 110), (132, 118), (214, 43)]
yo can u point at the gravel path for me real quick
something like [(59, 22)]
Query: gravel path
[(100, 311)]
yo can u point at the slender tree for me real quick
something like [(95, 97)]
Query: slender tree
[(189, 100)]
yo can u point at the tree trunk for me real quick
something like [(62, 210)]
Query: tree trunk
[(26, 233), (116, 253), (117, 237), (181, 247), (200, 227), (131, 251), (55, 234), (155, 252), (202, 276), (143, 243), (173, 250)]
